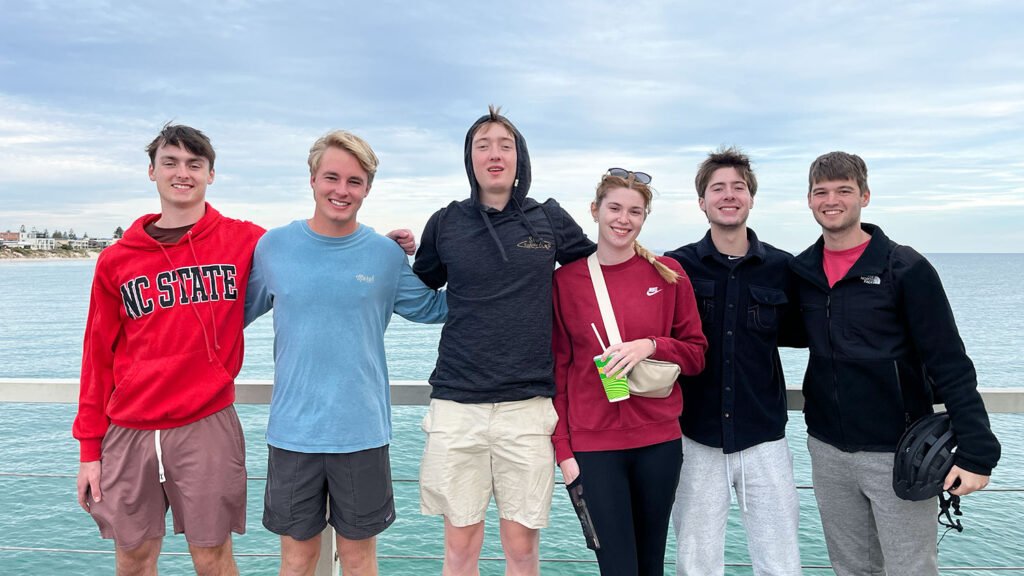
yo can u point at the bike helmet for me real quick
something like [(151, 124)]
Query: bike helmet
[(924, 456)]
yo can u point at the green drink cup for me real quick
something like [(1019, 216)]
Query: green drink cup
[(616, 388)]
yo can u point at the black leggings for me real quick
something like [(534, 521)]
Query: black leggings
[(630, 495)]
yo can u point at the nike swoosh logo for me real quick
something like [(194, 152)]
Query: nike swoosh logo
[(653, 290)]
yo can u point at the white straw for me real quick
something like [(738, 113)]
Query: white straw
[(598, 334)]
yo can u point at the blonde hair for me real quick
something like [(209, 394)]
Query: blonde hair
[(350, 143), (670, 275), (608, 183)]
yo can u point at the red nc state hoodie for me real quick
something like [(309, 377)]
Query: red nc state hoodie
[(163, 341)]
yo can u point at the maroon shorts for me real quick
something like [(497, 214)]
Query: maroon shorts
[(203, 466)]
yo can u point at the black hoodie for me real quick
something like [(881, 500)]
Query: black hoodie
[(496, 343)]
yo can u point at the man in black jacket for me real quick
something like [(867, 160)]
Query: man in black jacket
[(734, 416), (882, 337)]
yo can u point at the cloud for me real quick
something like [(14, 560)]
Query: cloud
[(929, 94)]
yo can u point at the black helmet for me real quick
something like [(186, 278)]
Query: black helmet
[(924, 456)]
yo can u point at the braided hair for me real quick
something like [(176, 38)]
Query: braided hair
[(670, 275)]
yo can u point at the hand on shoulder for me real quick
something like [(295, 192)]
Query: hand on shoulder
[(405, 238)]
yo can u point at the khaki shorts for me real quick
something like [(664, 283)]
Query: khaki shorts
[(204, 471), (474, 450)]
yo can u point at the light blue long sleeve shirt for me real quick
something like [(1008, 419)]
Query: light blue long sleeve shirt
[(332, 300)]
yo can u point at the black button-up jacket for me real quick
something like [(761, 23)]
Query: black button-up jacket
[(747, 309)]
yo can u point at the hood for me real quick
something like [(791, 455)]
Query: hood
[(135, 236), (523, 175), (520, 186)]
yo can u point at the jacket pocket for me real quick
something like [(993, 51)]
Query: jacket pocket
[(765, 308), (170, 388), (704, 290), (871, 402)]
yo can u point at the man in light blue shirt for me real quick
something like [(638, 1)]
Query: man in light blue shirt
[(334, 284)]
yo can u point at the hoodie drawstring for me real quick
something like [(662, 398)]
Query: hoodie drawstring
[(529, 225), (209, 302), (494, 235), (534, 235), (181, 289), (159, 456)]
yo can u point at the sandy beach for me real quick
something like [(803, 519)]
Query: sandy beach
[(48, 254)]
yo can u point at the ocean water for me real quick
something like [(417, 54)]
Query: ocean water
[(43, 306)]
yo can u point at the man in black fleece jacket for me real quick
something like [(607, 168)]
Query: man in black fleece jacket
[(490, 417), (881, 336)]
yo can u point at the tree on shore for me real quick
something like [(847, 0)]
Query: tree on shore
[(119, 232)]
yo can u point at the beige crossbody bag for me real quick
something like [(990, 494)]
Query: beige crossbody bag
[(649, 378)]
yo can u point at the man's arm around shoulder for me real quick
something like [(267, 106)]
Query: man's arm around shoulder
[(570, 241), (428, 265)]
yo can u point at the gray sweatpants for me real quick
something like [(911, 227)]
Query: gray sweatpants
[(762, 476), (868, 529)]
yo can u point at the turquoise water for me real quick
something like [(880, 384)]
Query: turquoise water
[(43, 307)]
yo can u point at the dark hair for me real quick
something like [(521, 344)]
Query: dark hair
[(731, 157), (185, 136), (495, 117), (838, 166)]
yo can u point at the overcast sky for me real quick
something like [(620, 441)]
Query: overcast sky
[(931, 94)]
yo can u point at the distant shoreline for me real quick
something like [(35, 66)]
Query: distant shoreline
[(58, 254)]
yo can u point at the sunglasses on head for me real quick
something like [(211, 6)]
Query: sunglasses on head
[(641, 177)]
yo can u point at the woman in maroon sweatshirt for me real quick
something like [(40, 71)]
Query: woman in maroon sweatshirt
[(625, 454)]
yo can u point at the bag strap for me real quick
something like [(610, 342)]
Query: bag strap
[(603, 301)]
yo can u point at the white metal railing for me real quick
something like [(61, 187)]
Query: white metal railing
[(403, 393)]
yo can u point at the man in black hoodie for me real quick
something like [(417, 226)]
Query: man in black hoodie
[(490, 419), (881, 336)]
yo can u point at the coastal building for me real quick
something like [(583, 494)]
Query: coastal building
[(34, 240), (75, 244), (100, 242)]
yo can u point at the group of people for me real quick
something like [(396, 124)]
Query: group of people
[(515, 389)]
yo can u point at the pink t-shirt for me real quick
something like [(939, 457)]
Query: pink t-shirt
[(838, 262)]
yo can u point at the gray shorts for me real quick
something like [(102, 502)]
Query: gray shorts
[(359, 484)]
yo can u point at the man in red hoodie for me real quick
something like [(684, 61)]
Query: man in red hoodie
[(163, 344)]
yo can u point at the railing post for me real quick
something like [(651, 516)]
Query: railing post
[(328, 564)]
